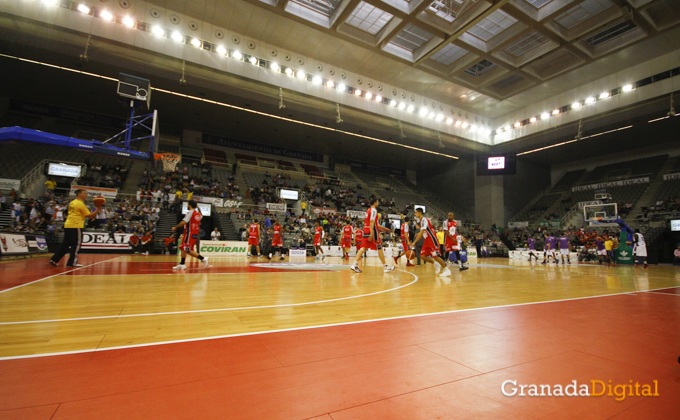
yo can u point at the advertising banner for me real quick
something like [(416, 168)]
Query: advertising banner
[(224, 248), (356, 214), (518, 224), (13, 244), (524, 255), (582, 204), (321, 211), (62, 169), (110, 193), (299, 253), (36, 244), (102, 240), (8, 184), (671, 177), (278, 207), (602, 185)]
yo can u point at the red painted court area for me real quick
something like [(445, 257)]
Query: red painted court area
[(446, 366)]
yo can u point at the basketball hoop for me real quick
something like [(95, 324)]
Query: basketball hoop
[(169, 160)]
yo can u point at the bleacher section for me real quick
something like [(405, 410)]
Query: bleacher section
[(215, 157), (626, 170), (568, 180)]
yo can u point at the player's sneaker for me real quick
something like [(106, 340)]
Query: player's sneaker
[(437, 267), (543, 262), (323, 257), (644, 266), (248, 255), (446, 272), (463, 268), (269, 257), (75, 265), (569, 262), (281, 259), (205, 262), (408, 264), (180, 267), (54, 263), (317, 258), (355, 267), (388, 268)]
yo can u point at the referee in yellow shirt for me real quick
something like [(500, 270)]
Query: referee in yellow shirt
[(73, 230)]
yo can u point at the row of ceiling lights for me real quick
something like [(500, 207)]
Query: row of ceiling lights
[(576, 105), (219, 49)]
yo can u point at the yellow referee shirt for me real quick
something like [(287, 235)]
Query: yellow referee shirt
[(77, 212), (608, 245), (440, 237)]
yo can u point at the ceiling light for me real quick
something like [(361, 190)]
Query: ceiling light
[(464, 125), (393, 103), (289, 72), (432, 115), (499, 131), (518, 124), (532, 119), (423, 112), (576, 105), (440, 117), (463, 95), (106, 15), (458, 123), (176, 36), (301, 75), (316, 80), (357, 92), (83, 9), (253, 60), (449, 121), (545, 116), (508, 128), (237, 55), (158, 31), (128, 21), (274, 66), (410, 108), (221, 50), (378, 98), (473, 127), (604, 95), (342, 87), (555, 111), (402, 105), (195, 42), (330, 84), (590, 100), (50, 2), (369, 95), (627, 88)]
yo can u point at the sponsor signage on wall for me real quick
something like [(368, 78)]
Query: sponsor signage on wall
[(518, 224), (279, 207), (224, 248), (62, 169), (582, 204), (13, 244), (319, 211), (95, 191), (356, 214), (261, 148), (8, 184), (102, 240), (602, 185), (671, 177)]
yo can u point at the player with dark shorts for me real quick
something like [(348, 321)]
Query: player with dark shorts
[(532, 248), (192, 230)]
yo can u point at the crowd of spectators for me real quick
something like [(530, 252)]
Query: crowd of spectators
[(670, 205), (102, 175)]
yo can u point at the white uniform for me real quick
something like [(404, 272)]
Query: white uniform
[(639, 247)]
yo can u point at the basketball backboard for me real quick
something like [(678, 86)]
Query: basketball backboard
[(600, 212)]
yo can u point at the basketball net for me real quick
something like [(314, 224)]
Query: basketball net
[(169, 160)]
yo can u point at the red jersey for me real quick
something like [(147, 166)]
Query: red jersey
[(430, 236), (347, 233), (254, 231), (404, 232), (318, 232), (452, 228), (193, 223), (358, 233), (277, 232), (371, 219)]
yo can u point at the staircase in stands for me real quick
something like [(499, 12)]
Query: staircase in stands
[(167, 219)]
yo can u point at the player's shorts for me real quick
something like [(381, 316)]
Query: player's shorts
[(188, 243), (317, 241), (359, 244), (549, 251), (564, 251), (429, 251), (640, 250), (277, 242), (346, 244), (602, 252), (253, 242), (370, 244)]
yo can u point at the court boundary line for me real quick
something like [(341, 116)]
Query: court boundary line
[(44, 321), (59, 274), (661, 293), (218, 337)]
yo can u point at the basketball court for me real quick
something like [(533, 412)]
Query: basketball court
[(125, 336)]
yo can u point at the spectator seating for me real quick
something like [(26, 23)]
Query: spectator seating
[(246, 159), (624, 170), (215, 157)]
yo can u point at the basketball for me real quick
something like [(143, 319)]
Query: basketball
[(99, 201), (410, 255)]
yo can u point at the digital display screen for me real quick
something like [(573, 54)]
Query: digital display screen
[(675, 225), (496, 162), (61, 169), (205, 208), (290, 194)]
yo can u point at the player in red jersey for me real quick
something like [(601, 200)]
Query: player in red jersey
[(371, 238), (430, 250), (451, 234), (192, 230), (277, 241), (346, 242), (319, 235), (405, 242), (358, 237), (254, 237)]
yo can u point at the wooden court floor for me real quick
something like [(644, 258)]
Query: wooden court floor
[(303, 339)]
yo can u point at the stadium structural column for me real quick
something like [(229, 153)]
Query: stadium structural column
[(489, 200)]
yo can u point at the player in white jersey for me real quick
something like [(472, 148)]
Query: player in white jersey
[(430, 249), (371, 238), (639, 249)]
